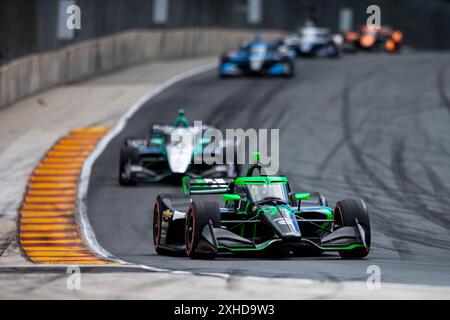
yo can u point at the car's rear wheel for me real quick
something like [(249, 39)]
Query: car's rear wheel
[(391, 46), (199, 215), (346, 213), (335, 51), (127, 155)]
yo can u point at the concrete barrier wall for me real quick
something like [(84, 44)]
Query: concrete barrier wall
[(29, 75)]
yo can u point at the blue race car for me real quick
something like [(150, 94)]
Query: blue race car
[(258, 58)]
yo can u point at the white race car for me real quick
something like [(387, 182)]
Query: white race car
[(170, 152)]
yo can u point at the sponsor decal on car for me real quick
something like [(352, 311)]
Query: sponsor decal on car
[(167, 214)]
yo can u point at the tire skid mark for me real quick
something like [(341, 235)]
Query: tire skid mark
[(230, 104), (234, 103), (407, 185), (386, 212), (270, 120), (345, 96), (256, 107), (439, 187), (397, 226), (360, 160), (441, 85), (224, 112), (412, 190)]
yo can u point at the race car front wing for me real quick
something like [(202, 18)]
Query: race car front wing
[(214, 240)]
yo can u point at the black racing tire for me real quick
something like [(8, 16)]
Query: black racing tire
[(345, 214), (127, 139), (199, 215), (396, 48), (337, 52), (291, 72), (127, 154), (349, 48)]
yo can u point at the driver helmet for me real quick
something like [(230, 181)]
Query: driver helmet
[(181, 119)]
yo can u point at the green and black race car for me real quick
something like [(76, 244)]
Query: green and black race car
[(260, 214)]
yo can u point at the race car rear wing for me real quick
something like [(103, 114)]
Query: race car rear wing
[(204, 186), (166, 128)]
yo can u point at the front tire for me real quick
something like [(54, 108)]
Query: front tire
[(127, 155), (336, 54), (291, 69), (157, 219), (346, 213), (199, 215)]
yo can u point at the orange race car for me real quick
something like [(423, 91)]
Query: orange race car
[(373, 38)]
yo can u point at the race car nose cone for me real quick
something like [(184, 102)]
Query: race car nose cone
[(292, 238), (179, 151)]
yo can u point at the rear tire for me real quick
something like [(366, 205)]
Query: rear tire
[(336, 54), (291, 72), (345, 213), (127, 155), (200, 213)]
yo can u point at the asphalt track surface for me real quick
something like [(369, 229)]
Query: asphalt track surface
[(375, 127)]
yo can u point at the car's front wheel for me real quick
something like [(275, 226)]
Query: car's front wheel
[(157, 218), (127, 155), (199, 215), (346, 213)]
